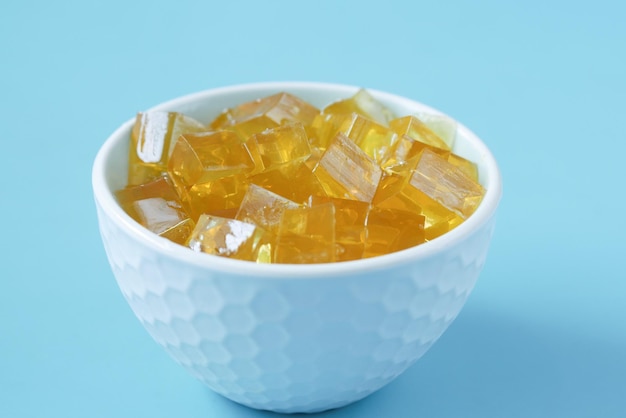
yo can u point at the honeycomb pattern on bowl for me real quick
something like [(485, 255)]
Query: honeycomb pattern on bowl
[(297, 344)]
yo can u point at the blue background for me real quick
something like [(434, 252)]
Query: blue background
[(543, 83)]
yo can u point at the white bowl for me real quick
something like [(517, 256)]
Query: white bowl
[(292, 338)]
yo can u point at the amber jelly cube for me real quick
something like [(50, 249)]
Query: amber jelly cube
[(350, 229), (151, 142), (433, 187), (407, 149), (391, 230), (443, 126), (405, 152), (307, 235), (229, 238), (346, 171), (468, 168), (324, 128), (364, 104), (446, 184), (209, 171), (156, 206), (281, 145), (375, 139), (414, 128), (256, 116), (263, 208), (295, 182), (199, 158)]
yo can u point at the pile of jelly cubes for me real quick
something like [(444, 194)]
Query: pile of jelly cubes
[(277, 180)]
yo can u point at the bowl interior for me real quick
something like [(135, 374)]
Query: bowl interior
[(110, 167)]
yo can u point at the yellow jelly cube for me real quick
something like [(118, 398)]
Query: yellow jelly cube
[(466, 166), (446, 184), (151, 142), (199, 158), (391, 230), (295, 182), (307, 235), (364, 104), (407, 149), (229, 238), (221, 197), (324, 128), (444, 127), (375, 139), (256, 116), (209, 171), (347, 172), (263, 208), (350, 231), (414, 128), (156, 206), (281, 145), (433, 187)]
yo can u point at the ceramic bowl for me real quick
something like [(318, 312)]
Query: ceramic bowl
[(292, 338)]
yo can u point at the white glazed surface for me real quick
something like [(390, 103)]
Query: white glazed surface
[(292, 338)]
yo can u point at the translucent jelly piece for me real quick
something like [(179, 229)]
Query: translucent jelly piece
[(391, 230), (364, 104), (375, 139), (200, 158), (316, 154), (446, 184), (466, 166), (350, 232), (253, 117), (263, 208), (324, 128), (220, 197), (307, 235), (229, 238), (444, 127), (414, 128), (281, 145), (295, 182), (156, 206), (151, 141), (347, 172), (405, 150), (395, 191)]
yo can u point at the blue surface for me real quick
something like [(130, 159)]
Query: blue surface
[(543, 83)]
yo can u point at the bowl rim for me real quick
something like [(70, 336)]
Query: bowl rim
[(105, 198)]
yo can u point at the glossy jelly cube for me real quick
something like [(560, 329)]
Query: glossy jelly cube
[(391, 230), (151, 142), (209, 171), (350, 226), (156, 206), (414, 128), (375, 139), (307, 235), (295, 182), (263, 208), (444, 127), (256, 116), (346, 171), (229, 238), (364, 104), (433, 187), (285, 144), (446, 184)]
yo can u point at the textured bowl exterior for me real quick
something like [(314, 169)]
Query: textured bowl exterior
[(292, 338)]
